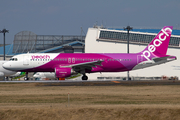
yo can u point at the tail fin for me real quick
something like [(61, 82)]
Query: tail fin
[(159, 45)]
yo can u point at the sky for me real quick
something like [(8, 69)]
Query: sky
[(67, 17)]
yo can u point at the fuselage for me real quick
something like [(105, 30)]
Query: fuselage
[(66, 64), (44, 62)]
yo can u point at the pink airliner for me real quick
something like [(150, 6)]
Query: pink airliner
[(66, 64)]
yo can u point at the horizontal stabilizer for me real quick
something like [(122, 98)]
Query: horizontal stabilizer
[(167, 58)]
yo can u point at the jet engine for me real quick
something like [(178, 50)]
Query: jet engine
[(63, 72)]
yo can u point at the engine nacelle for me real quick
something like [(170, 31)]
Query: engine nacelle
[(1, 74), (63, 72)]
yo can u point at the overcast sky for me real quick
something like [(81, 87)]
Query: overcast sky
[(66, 17)]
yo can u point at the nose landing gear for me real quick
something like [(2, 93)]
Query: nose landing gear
[(26, 78)]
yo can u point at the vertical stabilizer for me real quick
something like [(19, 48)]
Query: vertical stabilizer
[(159, 45)]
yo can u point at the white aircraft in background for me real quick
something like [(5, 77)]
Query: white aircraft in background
[(16, 74), (44, 75), (5, 72)]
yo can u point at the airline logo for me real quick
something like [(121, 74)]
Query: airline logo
[(40, 56), (157, 42)]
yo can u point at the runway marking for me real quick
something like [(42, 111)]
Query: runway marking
[(116, 81)]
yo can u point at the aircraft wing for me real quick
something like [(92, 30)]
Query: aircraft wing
[(86, 65)]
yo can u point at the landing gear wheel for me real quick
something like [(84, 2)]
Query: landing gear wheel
[(84, 77), (26, 78), (6, 78)]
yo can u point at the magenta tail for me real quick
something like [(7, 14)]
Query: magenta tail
[(159, 44)]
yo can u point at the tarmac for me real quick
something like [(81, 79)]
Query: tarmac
[(98, 82)]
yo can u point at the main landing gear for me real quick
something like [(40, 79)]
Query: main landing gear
[(84, 77), (26, 77)]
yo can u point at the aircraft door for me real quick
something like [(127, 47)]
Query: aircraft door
[(71, 60), (25, 60)]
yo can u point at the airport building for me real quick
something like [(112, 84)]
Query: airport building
[(27, 41), (101, 40)]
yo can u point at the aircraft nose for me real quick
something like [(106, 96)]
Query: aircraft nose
[(6, 65)]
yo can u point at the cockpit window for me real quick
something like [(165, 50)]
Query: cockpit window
[(13, 59)]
